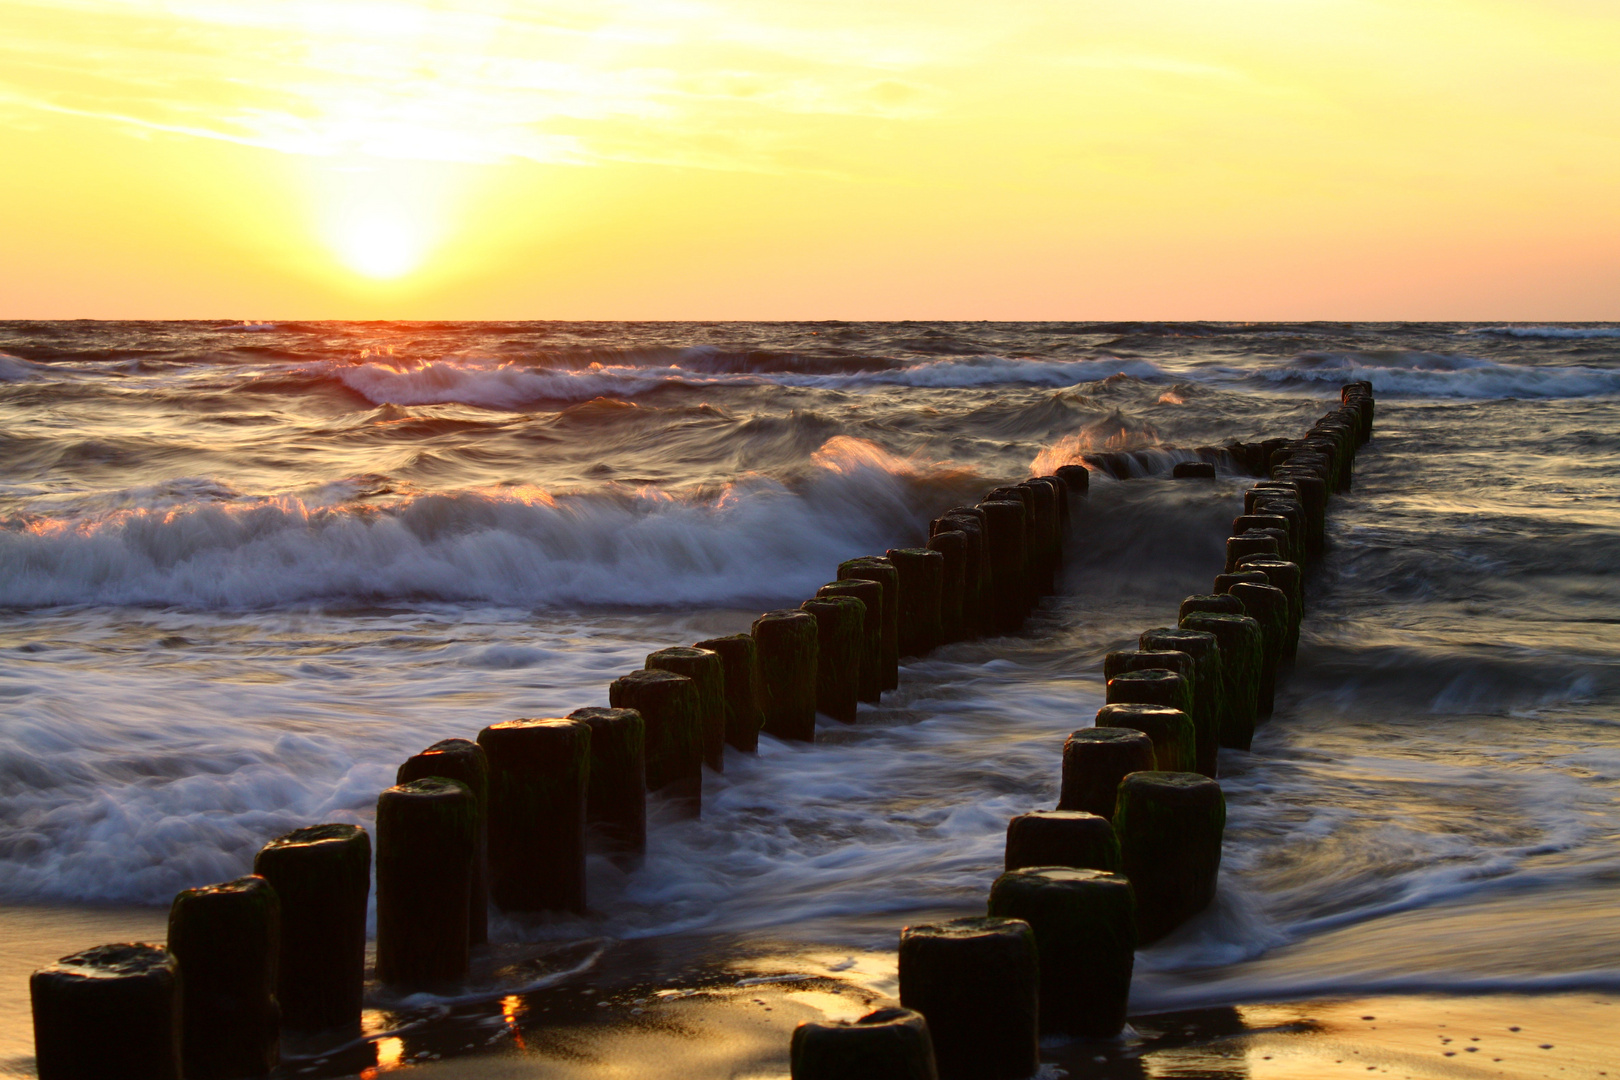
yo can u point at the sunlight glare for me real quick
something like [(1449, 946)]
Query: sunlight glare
[(382, 222)]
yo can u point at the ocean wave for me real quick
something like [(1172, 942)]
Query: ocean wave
[(512, 386), (754, 538), (1426, 374), (16, 369), (1550, 332)]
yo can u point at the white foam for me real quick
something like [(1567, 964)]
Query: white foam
[(754, 538), (510, 386), (1422, 374), (1551, 332)]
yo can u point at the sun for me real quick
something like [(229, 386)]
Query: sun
[(378, 243)]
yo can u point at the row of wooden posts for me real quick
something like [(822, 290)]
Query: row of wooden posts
[(1134, 847), (505, 819)]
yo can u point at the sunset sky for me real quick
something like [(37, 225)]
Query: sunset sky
[(713, 159)]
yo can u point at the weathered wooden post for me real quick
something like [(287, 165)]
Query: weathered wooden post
[(1240, 641), (739, 658), (1170, 826), (869, 688), (668, 704), (426, 838), (1004, 546), (708, 675), (881, 570), (1268, 607), (840, 637), (1209, 691), (889, 1044), (226, 939), (1061, 838), (322, 876), (110, 1003), (464, 760), (539, 777), (1175, 741), (922, 575), (616, 792), (976, 981), (952, 545), (1095, 760), (1085, 935)]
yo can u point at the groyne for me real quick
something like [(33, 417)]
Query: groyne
[(510, 814)]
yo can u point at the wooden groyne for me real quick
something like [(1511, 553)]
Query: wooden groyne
[(1131, 851)]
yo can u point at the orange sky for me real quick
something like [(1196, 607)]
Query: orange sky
[(713, 159)]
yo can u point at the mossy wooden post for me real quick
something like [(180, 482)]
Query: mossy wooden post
[(226, 939), (708, 675), (971, 525), (427, 833), (1077, 477), (1218, 603), (1169, 826), (1044, 517), (1240, 639), (1031, 548), (840, 640), (1175, 741), (111, 1011), (1267, 606), (869, 687), (1224, 582), (539, 778), (668, 704), (1095, 760), (1313, 493), (1004, 546), (1065, 512), (1288, 577), (616, 794), (1249, 544), (1192, 470), (1170, 687), (1085, 935), (322, 875), (1061, 838), (881, 570), (889, 1044), (740, 661), (464, 760), (922, 574), (952, 546), (789, 658), (976, 981), (1274, 502), (1275, 526), (1209, 690)]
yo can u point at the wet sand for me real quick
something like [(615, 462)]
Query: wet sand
[(695, 1007)]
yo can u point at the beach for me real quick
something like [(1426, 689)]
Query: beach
[(253, 570)]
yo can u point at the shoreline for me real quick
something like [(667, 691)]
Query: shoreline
[(716, 1005)]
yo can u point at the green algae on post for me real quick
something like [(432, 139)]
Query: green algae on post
[(464, 760), (1268, 607), (1169, 826), (668, 704), (1209, 689), (789, 648), (970, 523), (840, 640), (889, 1044), (869, 687), (708, 675), (426, 837), (616, 794), (1240, 639), (1212, 602), (1061, 838), (1288, 577), (976, 982), (322, 875), (1175, 740), (1248, 544), (1085, 935), (922, 574), (110, 1003), (539, 774), (226, 939), (877, 568), (1095, 760), (740, 661)]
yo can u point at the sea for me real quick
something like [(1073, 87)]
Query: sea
[(246, 569)]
